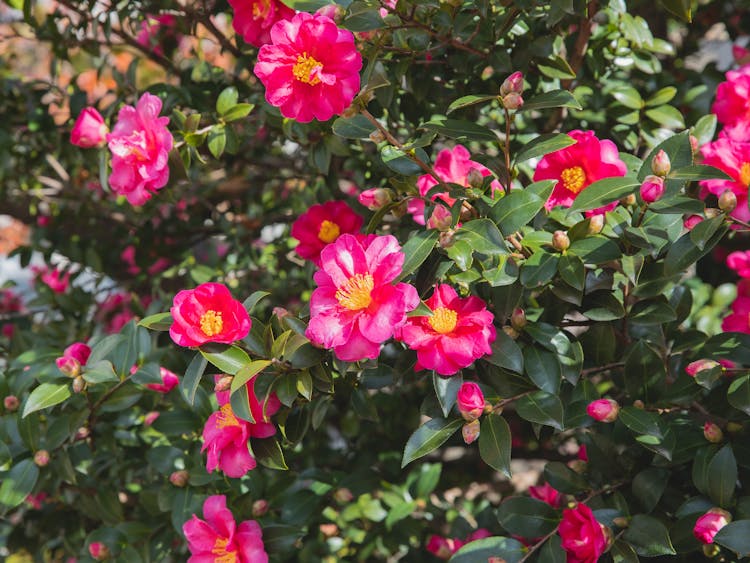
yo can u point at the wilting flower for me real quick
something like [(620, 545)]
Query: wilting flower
[(321, 225), (208, 313), (733, 158), (356, 306), (443, 548), (452, 166), (708, 525), (169, 381), (253, 19), (218, 539), (603, 410), (470, 401), (74, 356), (311, 68), (89, 129), (225, 436), (578, 166), (732, 104), (459, 331), (546, 493), (583, 537), (140, 143)]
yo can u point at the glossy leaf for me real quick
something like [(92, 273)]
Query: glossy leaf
[(603, 192), (428, 437), (46, 395), (494, 443)]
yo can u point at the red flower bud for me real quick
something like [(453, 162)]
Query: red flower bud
[(712, 433), (512, 101), (603, 410), (470, 401), (652, 189), (41, 458), (693, 368), (260, 507), (11, 403), (179, 478), (98, 551), (512, 84), (708, 525), (518, 318), (89, 129), (375, 198)]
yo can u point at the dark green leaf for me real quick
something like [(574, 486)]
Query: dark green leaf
[(46, 395), (515, 210), (641, 422), (494, 443), (735, 536), (428, 437), (269, 454), (190, 382), (240, 402), (18, 483), (255, 298), (649, 485), (543, 368), (684, 252), (539, 268), (159, 321), (483, 236), (648, 536), (698, 172), (723, 476), (552, 99), (527, 517), (564, 479), (738, 394), (416, 250), (356, 127), (508, 549), (466, 101), (446, 390), (401, 162), (544, 144), (572, 271), (460, 130), (506, 353), (541, 407), (603, 192)]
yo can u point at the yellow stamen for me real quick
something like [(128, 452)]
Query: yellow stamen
[(260, 8), (443, 320), (745, 174), (573, 179), (226, 417), (304, 69), (220, 549), (211, 323), (355, 293), (328, 232)]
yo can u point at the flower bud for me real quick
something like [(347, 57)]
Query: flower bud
[(693, 368), (603, 410), (343, 495), (350, 112), (470, 431), (447, 238), (377, 136), (150, 418), (333, 11), (375, 198), (440, 219), (691, 221), (712, 212), (41, 458), (518, 319), (711, 550), (223, 383), (79, 384), (512, 101), (512, 84), (694, 144), (727, 201), (712, 433), (98, 551), (560, 241), (260, 507), (329, 530), (487, 72), (708, 525), (639, 404), (596, 224), (628, 200), (68, 365), (82, 433), (510, 331), (11, 403), (475, 178), (89, 129), (621, 522), (179, 478), (470, 401), (578, 465), (660, 164), (652, 189)]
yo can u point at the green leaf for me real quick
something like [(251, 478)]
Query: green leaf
[(510, 550), (539, 268), (494, 443), (641, 422), (229, 359), (101, 372), (698, 172), (356, 127), (470, 100), (505, 353), (483, 236), (542, 368), (401, 162), (541, 407), (648, 536), (544, 144), (239, 111), (662, 96), (428, 437), (246, 373), (667, 116), (621, 552), (572, 271), (552, 99), (306, 5), (226, 100), (515, 210), (255, 298), (603, 192), (629, 97), (735, 536), (217, 140), (460, 129), (18, 483), (191, 380), (564, 479), (652, 312), (269, 454), (240, 402), (362, 18), (159, 321), (738, 394), (416, 250), (46, 395), (446, 390), (705, 128), (527, 517), (556, 67), (723, 476), (684, 252), (649, 485)]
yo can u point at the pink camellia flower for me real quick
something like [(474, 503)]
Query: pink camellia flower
[(708, 525), (155, 30), (583, 537), (140, 143), (603, 410), (652, 188), (733, 158), (739, 261), (98, 551), (218, 538), (470, 401), (546, 493), (253, 19), (321, 225), (311, 68), (74, 356), (739, 319), (356, 307), (225, 436), (693, 368), (169, 381), (36, 501), (732, 104), (578, 166), (459, 331), (452, 166), (583, 455), (444, 548), (208, 313), (55, 279), (89, 129)]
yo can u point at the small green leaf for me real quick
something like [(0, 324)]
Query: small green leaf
[(255, 298), (190, 382), (552, 99), (510, 550), (544, 144), (483, 236), (527, 517), (240, 401), (46, 395), (629, 97), (723, 472), (356, 127), (641, 422), (247, 372), (556, 67), (229, 359), (738, 394), (239, 111), (416, 250), (735, 536), (269, 454), (18, 483), (662, 96), (446, 390), (666, 116), (401, 162), (515, 210), (541, 407), (159, 321), (217, 140), (226, 100), (428, 437), (460, 130), (470, 100), (495, 443), (603, 192)]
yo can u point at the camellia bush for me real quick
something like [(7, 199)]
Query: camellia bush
[(396, 280)]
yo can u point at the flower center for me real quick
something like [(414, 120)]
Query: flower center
[(307, 69), (443, 320), (573, 178), (745, 174), (226, 417), (329, 231), (260, 8), (211, 323), (355, 293), (220, 549)]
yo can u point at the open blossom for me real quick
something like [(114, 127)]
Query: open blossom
[(140, 143), (321, 225), (459, 331), (578, 166), (739, 319), (732, 157), (583, 537), (89, 129), (739, 261), (225, 436), (253, 19), (169, 381), (470, 401), (732, 104), (708, 525), (57, 280), (356, 307), (546, 493), (74, 356), (218, 539), (311, 68), (443, 548), (453, 166), (207, 313)]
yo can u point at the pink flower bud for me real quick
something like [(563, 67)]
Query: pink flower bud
[(694, 144), (179, 478), (560, 241), (727, 201), (518, 318), (512, 101), (475, 178), (89, 129), (708, 525), (149, 419), (660, 165), (652, 189), (470, 401), (470, 431), (11, 403), (693, 368), (333, 11), (691, 221), (343, 495), (41, 458), (440, 547), (741, 54), (68, 365), (260, 507), (513, 84), (98, 551), (440, 219), (628, 200), (603, 410), (375, 198), (223, 383), (82, 433), (712, 433)]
